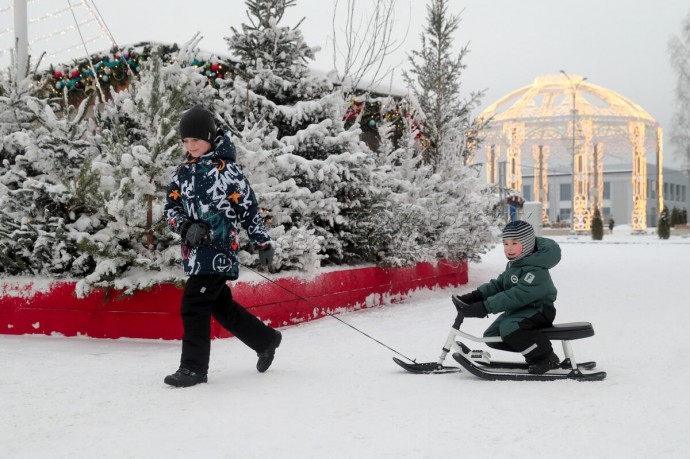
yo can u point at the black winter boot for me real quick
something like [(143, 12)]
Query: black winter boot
[(266, 357), (541, 366), (185, 378)]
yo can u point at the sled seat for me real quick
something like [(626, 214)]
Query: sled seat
[(568, 331)]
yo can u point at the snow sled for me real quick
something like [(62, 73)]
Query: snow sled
[(479, 363)]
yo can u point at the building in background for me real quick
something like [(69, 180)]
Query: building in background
[(617, 194), (584, 147)]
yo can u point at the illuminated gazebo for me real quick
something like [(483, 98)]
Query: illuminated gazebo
[(564, 122)]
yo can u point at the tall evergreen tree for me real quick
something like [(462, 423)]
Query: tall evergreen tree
[(139, 145), (45, 181), (405, 174), (435, 79), (458, 207), (274, 57), (45, 190), (309, 170), (597, 226), (15, 94), (679, 48), (664, 226)]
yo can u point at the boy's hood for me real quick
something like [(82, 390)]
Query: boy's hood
[(547, 254), (224, 146)]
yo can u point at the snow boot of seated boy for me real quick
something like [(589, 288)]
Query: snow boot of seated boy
[(541, 366), (266, 357), (185, 378)]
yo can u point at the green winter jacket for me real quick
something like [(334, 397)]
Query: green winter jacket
[(524, 282)]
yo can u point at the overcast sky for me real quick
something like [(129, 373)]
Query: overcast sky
[(621, 45)]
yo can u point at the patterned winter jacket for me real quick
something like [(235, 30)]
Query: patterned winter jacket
[(525, 282), (212, 189)]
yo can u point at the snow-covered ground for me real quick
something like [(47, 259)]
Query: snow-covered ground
[(334, 393)]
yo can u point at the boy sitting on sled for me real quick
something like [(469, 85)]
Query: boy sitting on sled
[(523, 293)]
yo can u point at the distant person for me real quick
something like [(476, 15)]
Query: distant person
[(611, 223), (208, 200), (523, 294)]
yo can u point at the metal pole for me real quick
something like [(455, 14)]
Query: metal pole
[(502, 186), (659, 171), (21, 41), (573, 91), (572, 190), (595, 196)]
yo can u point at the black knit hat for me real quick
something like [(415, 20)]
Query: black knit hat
[(197, 123), (523, 232)]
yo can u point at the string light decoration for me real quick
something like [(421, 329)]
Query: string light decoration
[(56, 30), (581, 123)]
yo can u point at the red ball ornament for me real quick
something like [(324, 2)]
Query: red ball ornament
[(74, 74), (57, 74), (220, 75), (215, 67)]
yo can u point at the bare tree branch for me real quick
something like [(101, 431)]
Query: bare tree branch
[(679, 50), (367, 43)]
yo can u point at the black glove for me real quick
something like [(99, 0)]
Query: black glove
[(471, 297), (195, 234), (266, 252), (475, 309)]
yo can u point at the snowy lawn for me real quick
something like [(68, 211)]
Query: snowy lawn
[(333, 393)]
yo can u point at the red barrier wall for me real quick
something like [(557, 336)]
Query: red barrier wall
[(154, 313)]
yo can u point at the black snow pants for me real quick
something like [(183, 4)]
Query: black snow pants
[(519, 330), (206, 295)]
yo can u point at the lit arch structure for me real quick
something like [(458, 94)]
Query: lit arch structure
[(568, 120)]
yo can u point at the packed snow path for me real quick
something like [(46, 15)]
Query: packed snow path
[(333, 393)]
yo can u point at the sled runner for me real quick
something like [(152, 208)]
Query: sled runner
[(479, 363)]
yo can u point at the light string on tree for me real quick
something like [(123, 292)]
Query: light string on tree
[(54, 14), (95, 13)]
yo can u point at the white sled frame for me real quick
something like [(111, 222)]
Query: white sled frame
[(451, 344)]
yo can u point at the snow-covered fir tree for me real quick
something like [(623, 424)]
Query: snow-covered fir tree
[(139, 145), (274, 57), (312, 173), (447, 214), (15, 93), (679, 48), (401, 169), (457, 208), (435, 79), (45, 181), (82, 196)]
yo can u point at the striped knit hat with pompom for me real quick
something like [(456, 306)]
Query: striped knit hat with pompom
[(523, 232)]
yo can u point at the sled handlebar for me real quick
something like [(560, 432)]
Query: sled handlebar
[(458, 320)]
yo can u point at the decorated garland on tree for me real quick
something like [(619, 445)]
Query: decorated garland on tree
[(118, 67), (371, 117), (108, 70)]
